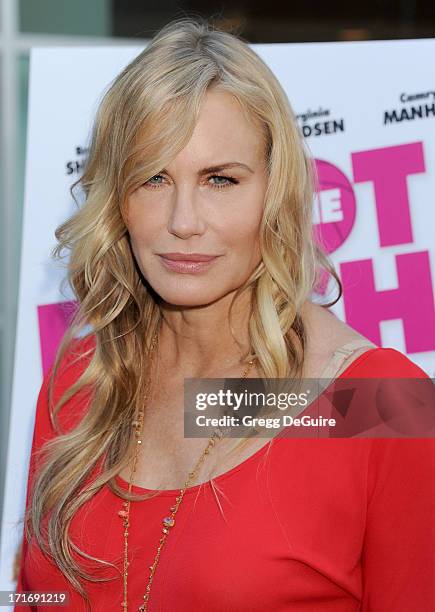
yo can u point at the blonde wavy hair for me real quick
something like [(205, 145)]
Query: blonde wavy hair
[(146, 116)]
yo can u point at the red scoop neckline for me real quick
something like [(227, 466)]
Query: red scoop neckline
[(195, 488)]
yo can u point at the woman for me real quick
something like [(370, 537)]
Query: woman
[(193, 257)]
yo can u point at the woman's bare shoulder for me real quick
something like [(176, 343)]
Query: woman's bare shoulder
[(326, 334)]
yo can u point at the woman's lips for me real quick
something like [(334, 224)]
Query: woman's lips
[(186, 267)]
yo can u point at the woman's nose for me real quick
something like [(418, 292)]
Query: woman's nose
[(186, 217)]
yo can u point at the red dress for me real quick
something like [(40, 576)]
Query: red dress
[(313, 525)]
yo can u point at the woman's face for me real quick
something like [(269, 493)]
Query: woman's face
[(195, 205)]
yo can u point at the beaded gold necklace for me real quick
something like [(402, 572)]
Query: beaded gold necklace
[(168, 521)]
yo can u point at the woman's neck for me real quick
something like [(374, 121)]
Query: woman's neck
[(197, 342)]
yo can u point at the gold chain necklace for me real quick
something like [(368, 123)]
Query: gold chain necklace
[(168, 521)]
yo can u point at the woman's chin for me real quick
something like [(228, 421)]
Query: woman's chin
[(189, 299)]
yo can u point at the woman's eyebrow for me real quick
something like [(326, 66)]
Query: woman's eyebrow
[(221, 167)]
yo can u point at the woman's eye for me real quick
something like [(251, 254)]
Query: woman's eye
[(148, 182), (228, 180)]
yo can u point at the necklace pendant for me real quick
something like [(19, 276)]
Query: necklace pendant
[(169, 521)]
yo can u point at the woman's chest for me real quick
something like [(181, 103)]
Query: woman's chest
[(281, 532)]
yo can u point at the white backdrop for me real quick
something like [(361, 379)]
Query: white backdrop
[(368, 113)]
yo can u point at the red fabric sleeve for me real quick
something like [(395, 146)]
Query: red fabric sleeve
[(398, 558), (399, 550), (43, 429)]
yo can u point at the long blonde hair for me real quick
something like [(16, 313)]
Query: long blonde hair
[(144, 119)]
